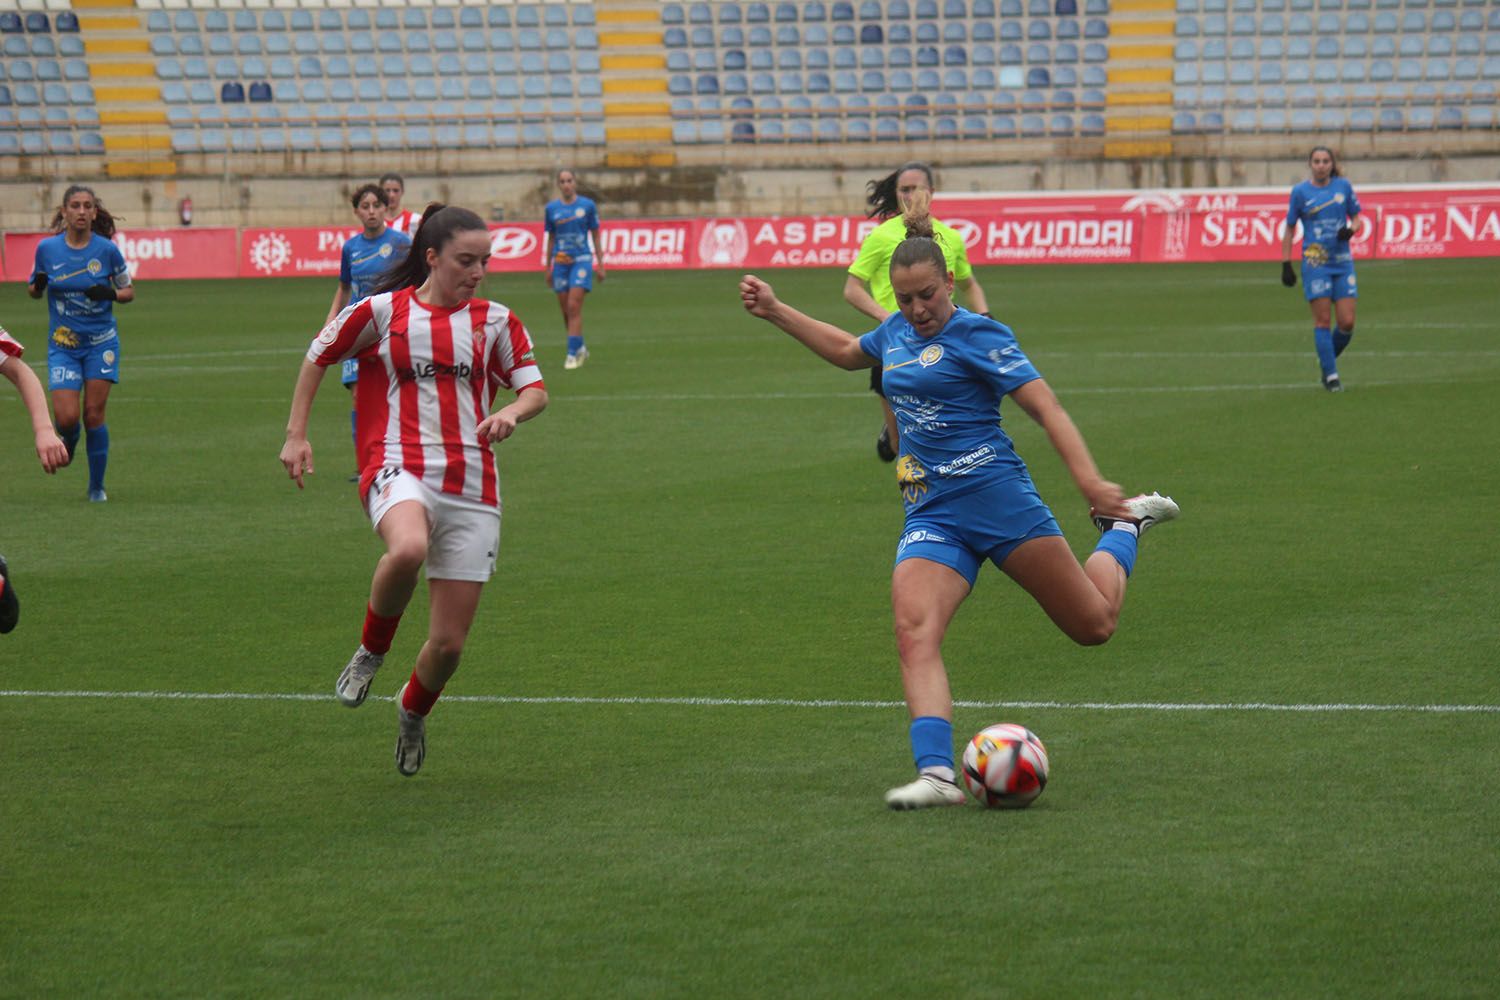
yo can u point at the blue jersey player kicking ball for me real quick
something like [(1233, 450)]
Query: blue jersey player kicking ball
[(366, 256), (572, 264), (968, 495), (1329, 213), (83, 275)]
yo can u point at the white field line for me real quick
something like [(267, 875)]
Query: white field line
[(1081, 706)]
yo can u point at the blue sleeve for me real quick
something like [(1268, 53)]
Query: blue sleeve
[(1000, 359), (346, 270), (38, 264), (1351, 204), (118, 267), (1294, 208), (547, 222), (593, 216), (873, 343)]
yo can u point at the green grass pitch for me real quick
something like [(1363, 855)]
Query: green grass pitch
[(659, 770)]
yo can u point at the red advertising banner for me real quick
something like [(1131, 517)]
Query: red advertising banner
[(150, 253), (1406, 221)]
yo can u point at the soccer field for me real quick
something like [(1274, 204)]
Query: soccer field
[(659, 770)]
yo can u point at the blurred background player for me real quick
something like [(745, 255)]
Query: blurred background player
[(399, 219), (365, 257), (868, 287), (431, 359), (968, 495), (49, 448), (1329, 212), (571, 264), (83, 275)]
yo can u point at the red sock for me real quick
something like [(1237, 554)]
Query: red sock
[(416, 699), (378, 631)]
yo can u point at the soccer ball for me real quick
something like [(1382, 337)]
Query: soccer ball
[(1005, 766)]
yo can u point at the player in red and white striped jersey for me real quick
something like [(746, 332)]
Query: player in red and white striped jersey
[(397, 218), (431, 359), (49, 447)]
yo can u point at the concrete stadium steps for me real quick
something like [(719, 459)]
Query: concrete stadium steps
[(632, 74), (132, 121), (1138, 100)]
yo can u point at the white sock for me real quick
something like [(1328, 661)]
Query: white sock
[(938, 771)]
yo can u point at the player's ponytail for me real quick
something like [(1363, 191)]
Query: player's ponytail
[(104, 223), (439, 223), (921, 245)]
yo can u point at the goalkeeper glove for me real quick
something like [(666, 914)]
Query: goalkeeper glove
[(1345, 232), (100, 293), (1288, 276), (39, 281)]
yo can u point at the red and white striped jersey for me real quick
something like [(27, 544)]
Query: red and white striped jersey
[(405, 221), (9, 346), (427, 377)]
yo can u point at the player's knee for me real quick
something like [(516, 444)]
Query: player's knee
[(407, 554), (913, 636)]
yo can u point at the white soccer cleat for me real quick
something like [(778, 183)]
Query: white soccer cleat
[(354, 682), (1145, 510), (927, 791), (576, 360), (411, 738)]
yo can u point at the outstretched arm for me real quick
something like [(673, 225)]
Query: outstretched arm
[(1039, 402), (828, 342), (49, 447)]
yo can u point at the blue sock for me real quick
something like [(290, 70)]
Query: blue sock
[(932, 742), (1323, 341), (354, 427), (70, 438), (98, 448), (574, 343), (1340, 341), (1120, 543)]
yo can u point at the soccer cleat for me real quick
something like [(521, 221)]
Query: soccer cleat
[(411, 738), (10, 607), (883, 446), (97, 496), (354, 681), (1332, 384), (1145, 510), (577, 359), (927, 791)]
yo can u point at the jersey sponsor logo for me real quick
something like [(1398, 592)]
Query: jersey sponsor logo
[(1314, 254), (64, 337), (1002, 366), (432, 369), (912, 478), (964, 464), (931, 355), (919, 535), (512, 243)]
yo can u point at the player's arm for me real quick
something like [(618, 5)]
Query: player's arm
[(117, 287), (1288, 236), (49, 447), (598, 253), (1352, 227), (974, 295), (857, 294), (340, 300), (547, 244), (531, 400), (827, 341), (296, 453), (1040, 403), (38, 283)]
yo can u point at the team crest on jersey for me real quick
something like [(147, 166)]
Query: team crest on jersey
[(931, 355), (912, 478), (578, 212), (1339, 198), (1315, 254), (95, 266), (385, 250), (329, 334)]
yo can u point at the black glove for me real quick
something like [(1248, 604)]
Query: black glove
[(1345, 232), (39, 281), (1288, 276), (100, 293)]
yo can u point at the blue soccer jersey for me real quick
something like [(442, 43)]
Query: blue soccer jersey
[(74, 319), (946, 391), (1322, 212), (364, 260), (569, 225)]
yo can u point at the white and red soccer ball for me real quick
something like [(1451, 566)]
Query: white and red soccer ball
[(1005, 766)]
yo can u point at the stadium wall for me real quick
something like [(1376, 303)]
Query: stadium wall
[(272, 199)]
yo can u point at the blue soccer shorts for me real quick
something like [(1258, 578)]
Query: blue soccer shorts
[(1325, 283), (962, 532), (349, 371), (578, 274), (70, 367)]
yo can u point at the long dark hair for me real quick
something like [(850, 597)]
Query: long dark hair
[(104, 223), (439, 223), (1324, 149), (882, 197), (921, 245)]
